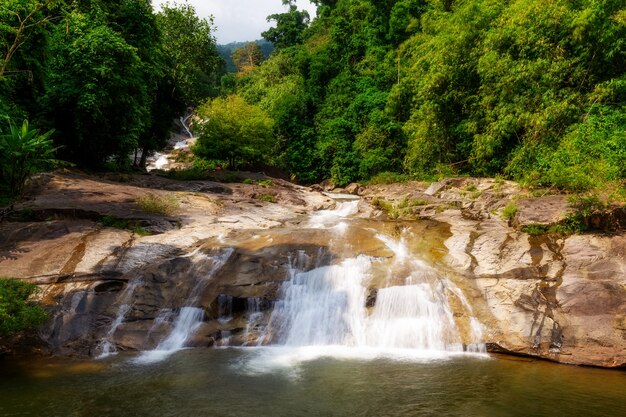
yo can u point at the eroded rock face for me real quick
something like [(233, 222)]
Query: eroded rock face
[(559, 298)]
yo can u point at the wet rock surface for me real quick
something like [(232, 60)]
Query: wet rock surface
[(561, 298), (557, 297)]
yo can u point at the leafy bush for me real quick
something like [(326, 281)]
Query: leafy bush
[(16, 311), (24, 152), (535, 229), (402, 208), (233, 131), (590, 155), (158, 204)]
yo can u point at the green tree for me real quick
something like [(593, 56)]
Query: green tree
[(18, 20), (289, 27), (247, 57), (23, 152), (17, 312), (98, 93), (233, 131), (195, 65)]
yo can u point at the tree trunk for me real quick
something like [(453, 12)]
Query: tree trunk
[(144, 156)]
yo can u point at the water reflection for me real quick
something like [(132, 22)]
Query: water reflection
[(220, 383)]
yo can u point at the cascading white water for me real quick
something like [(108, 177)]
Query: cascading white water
[(189, 318), (412, 317), (326, 307), (254, 315), (333, 219), (186, 324), (106, 347)]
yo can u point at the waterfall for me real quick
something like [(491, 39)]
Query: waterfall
[(224, 316), (333, 219), (106, 347), (254, 315), (326, 307), (186, 324), (412, 317), (184, 122), (189, 318)]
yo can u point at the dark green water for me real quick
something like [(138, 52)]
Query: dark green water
[(245, 383)]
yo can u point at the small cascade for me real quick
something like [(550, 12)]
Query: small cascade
[(224, 316), (327, 307), (189, 317), (160, 161), (476, 344), (412, 317), (183, 140), (106, 347), (334, 219), (254, 316), (186, 324), (324, 306), (184, 121)]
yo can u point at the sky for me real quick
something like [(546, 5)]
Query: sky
[(240, 20)]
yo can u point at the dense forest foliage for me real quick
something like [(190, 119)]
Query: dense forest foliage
[(527, 89), (105, 79)]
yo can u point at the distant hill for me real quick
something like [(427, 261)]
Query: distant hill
[(226, 51)]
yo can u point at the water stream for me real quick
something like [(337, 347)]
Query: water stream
[(162, 160), (190, 317), (366, 325), (341, 307)]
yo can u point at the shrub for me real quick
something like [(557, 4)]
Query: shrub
[(24, 152), (590, 155), (157, 204), (17, 313), (402, 208), (233, 131), (535, 229), (509, 211), (267, 197), (389, 178)]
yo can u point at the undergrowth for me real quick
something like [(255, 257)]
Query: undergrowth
[(267, 198), (165, 205), (400, 209), (124, 224)]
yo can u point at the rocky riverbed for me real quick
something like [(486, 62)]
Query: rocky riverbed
[(84, 238)]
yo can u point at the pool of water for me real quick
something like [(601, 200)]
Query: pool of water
[(282, 382)]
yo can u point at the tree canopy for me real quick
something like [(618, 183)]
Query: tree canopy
[(531, 90), (108, 76), (520, 88), (233, 131)]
